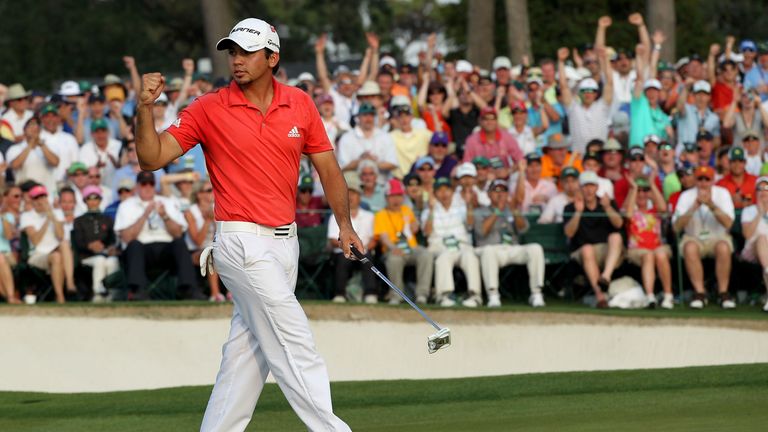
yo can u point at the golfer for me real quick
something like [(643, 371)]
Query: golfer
[(253, 133)]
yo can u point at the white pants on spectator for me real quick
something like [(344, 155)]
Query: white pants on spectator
[(494, 257), (446, 259), (102, 267), (269, 333)]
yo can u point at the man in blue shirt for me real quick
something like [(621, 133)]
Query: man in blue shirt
[(696, 117)]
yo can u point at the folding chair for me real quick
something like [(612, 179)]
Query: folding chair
[(313, 260), (552, 239)]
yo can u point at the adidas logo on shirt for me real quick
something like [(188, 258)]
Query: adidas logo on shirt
[(294, 133)]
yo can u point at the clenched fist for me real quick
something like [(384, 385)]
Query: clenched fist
[(152, 84)]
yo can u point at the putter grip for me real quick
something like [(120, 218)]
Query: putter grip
[(359, 255)]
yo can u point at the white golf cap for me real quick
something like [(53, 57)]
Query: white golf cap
[(652, 84), (400, 100), (388, 61), (588, 84), (306, 76), (502, 62), (702, 86), (252, 34), (162, 98), (466, 169), (70, 88), (369, 88), (588, 177), (463, 66)]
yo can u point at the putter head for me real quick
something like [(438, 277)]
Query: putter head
[(441, 339)]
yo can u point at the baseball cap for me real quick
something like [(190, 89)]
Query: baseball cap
[(387, 60), (96, 98), (439, 138), (569, 172), (534, 80), (501, 62), (400, 100), (702, 86), (517, 106), (366, 108), (175, 84), (37, 190), (481, 161), (556, 141), (588, 84), (463, 66), (736, 153), (762, 179), (145, 177), (612, 145), (683, 170), (99, 124), (747, 45), (412, 180), (466, 169), (665, 145), (91, 190), (442, 181), (497, 184), (369, 88), (636, 152), (496, 163), (642, 182), (75, 167), (533, 157), (70, 88), (325, 98), (704, 135), (750, 133), (705, 171), (652, 138), (126, 184), (162, 99), (49, 108), (593, 156), (306, 182), (690, 147), (588, 177), (395, 187), (489, 110), (251, 34), (424, 160), (306, 76), (652, 84)]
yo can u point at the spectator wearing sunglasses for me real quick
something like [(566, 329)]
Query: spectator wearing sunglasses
[(754, 225), (309, 209), (704, 214), (752, 152), (637, 167)]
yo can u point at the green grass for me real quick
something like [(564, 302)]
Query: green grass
[(722, 398)]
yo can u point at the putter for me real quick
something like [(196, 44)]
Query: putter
[(442, 338)]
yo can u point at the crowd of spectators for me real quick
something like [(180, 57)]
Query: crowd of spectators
[(447, 162)]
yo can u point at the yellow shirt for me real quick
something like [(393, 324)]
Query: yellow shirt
[(409, 147), (392, 224)]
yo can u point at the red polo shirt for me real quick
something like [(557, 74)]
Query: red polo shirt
[(746, 189), (253, 158)]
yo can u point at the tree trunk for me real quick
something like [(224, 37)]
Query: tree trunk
[(518, 30), (218, 20), (661, 16), (480, 32)]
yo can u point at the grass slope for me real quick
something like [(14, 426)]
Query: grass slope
[(720, 398)]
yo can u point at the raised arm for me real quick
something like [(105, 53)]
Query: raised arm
[(422, 96), (602, 56), (373, 43), (189, 68), (683, 97), (729, 42), (729, 119), (602, 24), (639, 68), (658, 42), (364, 65), (322, 68), (130, 64), (714, 50), (636, 19), (431, 42), (565, 91), (154, 151)]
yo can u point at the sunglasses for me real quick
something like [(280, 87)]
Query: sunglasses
[(440, 144), (762, 187), (123, 190), (748, 50), (703, 178), (305, 190), (426, 168), (92, 197), (637, 159), (587, 91), (206, 190)]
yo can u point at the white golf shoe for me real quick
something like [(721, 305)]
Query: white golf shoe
[(536, 300), (668, 302), (339, 299), (471, 302), (370, 299), (447, 301), (421, 299), (494, 300), (765, 308)]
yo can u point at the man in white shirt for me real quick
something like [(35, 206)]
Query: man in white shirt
[(445, 225), (151, 229), (18, 111), (103, 152), (32, 159), (366, 141), (553, 212), (362, 222), (592, 162), (63, 144), (705, 214), (754, 225)]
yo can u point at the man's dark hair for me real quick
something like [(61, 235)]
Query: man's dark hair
[(383, 71), (268, 52), (546, 61), (66, 189)]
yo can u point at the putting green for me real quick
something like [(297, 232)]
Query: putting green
[(720, 398)]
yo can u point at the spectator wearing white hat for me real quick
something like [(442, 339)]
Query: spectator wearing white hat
[(18, 112), (587, 119), (695, 117), (646, 115), (466, 174), (497, 227), (592, 224), (446, 224), (531, 191), (367, 141), (64, 144), (754, 225), (370, 93), (410, 143)]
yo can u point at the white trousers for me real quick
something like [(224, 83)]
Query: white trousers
[(270, 333), (101, 267), (494, 257), (466, 259)]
